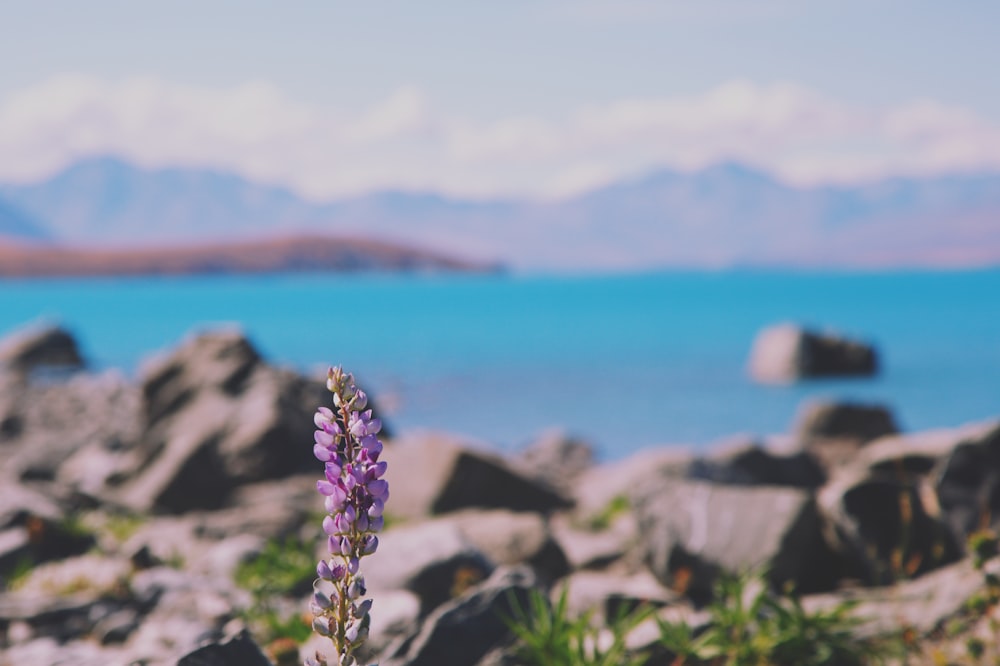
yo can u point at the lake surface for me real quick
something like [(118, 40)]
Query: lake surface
[(623, 361)]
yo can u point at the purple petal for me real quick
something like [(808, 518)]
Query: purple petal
[(379, 488), (324, 438), (329, 525), (322, 453), (323, 570), (323, 415), (325, 487)]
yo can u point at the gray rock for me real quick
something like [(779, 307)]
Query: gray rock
[(689, 531), (57, 422), (611, 594), (509, 538), (37, 347), (822, 419), (466, 629), (556, 458), (599, 486), (590, 549), (753, 465), (885, 524), (435, 474), (218, 417), (967, 482), (923, 604), (786, 353), (237, 651), (434, 560)]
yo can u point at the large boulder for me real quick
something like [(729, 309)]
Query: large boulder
[(819, 420), (435, 474), (464, 630), (433, 560), (967, 482), (39, 347), (216, 417), (786, 353), (750, 464), (886, 524), (691, 531), (557, 459), (834, 432), (240, 650)]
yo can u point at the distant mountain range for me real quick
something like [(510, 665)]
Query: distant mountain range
[(726, 215)]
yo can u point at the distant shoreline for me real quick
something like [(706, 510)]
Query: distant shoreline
[(291, 254)]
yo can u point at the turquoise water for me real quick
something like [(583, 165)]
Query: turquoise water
[(624, 361)]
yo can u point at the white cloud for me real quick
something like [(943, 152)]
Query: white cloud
[(406, 142)]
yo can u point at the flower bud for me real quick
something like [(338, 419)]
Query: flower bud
[(321, 625)]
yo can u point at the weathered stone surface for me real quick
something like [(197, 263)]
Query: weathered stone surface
[(787, 352), (58, 421), (599, 486), (967, 482), (689, 531), (821, 419), (217, 417), (466, 629), (922, 604), (611, 594), (595, 549), (434, 474), (752, 465), (885, 525), (556, 459), (434, 560), (237, 651), (37, 347), (509, 538)]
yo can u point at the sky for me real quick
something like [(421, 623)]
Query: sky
[(523, 98)]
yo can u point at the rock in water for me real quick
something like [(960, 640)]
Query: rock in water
[(787, 353)]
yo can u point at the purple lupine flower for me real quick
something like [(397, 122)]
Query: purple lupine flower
[(354, 495)]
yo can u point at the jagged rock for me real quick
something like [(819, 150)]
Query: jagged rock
[(37, 347), (753, 465), (612, 594), (834, 432), (967, 482), (786, 353), (595, 549), (510, 538), (922, 604), (689, 531), (434, 475), (819, 420), (217, 417), (237, 651), (434, 560), (885, 524), (557, 459), (601, 485), (63, 422), (466, 629)]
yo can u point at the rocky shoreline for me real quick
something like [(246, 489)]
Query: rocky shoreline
[(173, 519)]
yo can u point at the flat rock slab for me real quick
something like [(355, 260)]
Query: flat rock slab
[(436, 474), (691, 531), (922, 604)]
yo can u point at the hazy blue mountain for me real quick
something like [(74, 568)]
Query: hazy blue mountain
[(17, 225), (106, 201), (725, 215)]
